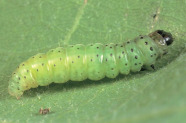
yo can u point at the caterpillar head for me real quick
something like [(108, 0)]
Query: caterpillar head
[(163, 39)]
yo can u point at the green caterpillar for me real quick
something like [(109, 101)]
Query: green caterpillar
[(94, 61)]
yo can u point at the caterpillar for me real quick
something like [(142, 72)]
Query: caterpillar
[(93, 61)]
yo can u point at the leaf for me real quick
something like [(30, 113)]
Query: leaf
[(29, 27)]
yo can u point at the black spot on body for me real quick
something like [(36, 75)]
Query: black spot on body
[(136, 57), (25, 77), (54, 65), (128, 42), (154, 16), (78, 56), (23, 64), (123, 52), (97, 55), (146, 43), (97, 47), (141, 37), (37, 70), (91, 60), (119, 57), (151, 55), (111, 54), (151, 48), (78, 48), (126, 64), (135, 64), (152, 66), (42, 64), (27, 71), (19, 78), (111, 47), (132, 50)]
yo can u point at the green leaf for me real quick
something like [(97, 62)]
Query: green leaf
[(28, 27)]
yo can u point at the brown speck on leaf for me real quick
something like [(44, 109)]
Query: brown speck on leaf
[(44, 111)]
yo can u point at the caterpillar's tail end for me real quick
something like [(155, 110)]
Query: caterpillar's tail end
[(14, 90)]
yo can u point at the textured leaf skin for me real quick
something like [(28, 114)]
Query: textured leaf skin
[(29, 27)]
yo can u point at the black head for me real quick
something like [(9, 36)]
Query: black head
[(168, 39)]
